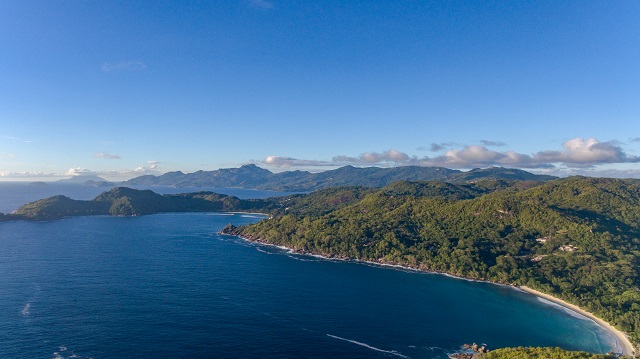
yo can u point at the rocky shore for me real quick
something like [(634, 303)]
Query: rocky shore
[(470, 351)]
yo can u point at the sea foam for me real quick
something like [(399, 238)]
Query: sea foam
[(569, 311), (26, 310), (392, 352)]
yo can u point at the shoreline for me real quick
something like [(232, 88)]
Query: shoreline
[(621, 339)]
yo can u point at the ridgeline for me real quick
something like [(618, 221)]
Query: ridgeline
[(252, 176)]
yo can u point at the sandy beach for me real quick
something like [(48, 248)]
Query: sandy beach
[(623, 344), (622, 341)]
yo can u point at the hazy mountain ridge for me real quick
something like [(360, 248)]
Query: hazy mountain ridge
[(252, 176)]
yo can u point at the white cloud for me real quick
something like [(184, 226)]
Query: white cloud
[(576, 153), (153, 168), (579, 152), (113, 175), (79, 171), (26, 174), (286, 162), (6, 156), (107, 156), (592, 172), (116, 175), (153, 165), (391, 156), (472, 154), (123, 66)]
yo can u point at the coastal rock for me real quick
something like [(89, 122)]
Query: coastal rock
[(474, 348), (463, 356)]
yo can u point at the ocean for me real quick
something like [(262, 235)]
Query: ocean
[(168, 285)]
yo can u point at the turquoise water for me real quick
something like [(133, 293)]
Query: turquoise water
[(167, 285)]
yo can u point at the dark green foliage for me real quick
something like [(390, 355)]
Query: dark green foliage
[(128, 202), (576, 238), (321, 202), (122, 201), (495, 173), (540, 353), (58, 207)]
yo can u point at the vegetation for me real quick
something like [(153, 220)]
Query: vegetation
[(252, 176), (539, 353), (576, 238), (123, 201)]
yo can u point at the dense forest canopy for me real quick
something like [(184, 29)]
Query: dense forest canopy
[(540, 353)]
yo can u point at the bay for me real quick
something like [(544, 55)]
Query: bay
[(168, 285)]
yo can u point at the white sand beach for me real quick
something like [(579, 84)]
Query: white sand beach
[(623, 343)]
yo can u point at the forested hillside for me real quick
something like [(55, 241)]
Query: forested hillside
[(576, 238), (539, 353)]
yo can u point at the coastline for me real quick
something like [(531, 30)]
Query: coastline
[(622, 341)]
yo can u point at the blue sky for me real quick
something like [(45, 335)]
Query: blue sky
[(124, 88)]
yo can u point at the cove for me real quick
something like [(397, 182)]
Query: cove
[(168, 285)]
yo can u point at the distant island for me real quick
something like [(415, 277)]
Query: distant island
[(90, 180), (122, 201), (39, 183), (577, 239)]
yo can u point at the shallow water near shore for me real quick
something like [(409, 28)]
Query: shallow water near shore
[(168, 286)]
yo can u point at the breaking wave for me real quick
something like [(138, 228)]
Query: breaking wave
[(392, 352), (26, 310)]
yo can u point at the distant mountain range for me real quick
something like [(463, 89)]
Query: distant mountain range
[(252, 176)]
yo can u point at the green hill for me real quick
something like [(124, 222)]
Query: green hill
[(122, 201), (575, 238)]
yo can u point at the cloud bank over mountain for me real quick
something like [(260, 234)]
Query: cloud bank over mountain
[(576, 153)]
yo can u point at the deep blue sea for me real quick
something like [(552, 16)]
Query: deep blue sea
[(168, 286)]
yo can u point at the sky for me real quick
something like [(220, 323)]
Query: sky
[(126, 88)]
